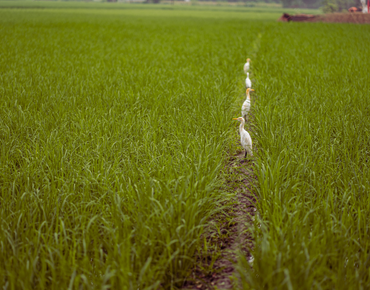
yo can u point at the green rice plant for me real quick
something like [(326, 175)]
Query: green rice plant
[(313, 131), (114, 131), (162, 10)]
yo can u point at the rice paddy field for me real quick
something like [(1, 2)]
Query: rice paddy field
[(116, 128)]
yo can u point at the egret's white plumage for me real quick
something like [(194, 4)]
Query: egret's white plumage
[(245, 138), (248, 82), (247, 104), (246, 66)]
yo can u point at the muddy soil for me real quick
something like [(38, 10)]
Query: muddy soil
[(357, 17), (234, 236)]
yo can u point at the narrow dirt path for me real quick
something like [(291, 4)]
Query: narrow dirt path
[(241, 240), (232, 237), (228, 233)]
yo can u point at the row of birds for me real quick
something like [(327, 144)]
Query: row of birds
[(245, 138)]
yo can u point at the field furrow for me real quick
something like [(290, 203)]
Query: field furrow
[(313, 132)]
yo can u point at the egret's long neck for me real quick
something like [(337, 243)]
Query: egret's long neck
[(248, 75), (248, 96), (241, 127)]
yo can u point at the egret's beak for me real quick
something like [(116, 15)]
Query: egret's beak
[(235, 118), (252, 90)]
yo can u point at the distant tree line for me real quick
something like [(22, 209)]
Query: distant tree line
[(301, 3), (285, 3), (328, 6)]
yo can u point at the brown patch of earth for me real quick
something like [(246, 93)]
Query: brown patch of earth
[(357, 17), (232, 236)]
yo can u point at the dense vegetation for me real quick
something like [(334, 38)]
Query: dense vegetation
[(114, 130), (313, 169), (115, 125), (329, 6)]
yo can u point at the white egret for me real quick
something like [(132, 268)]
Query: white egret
[(247, 104), (248, 82), (245, 138), (246, 65)]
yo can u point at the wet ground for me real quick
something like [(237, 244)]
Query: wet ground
[(233, 236)]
